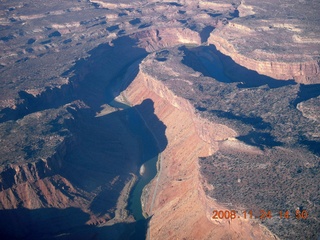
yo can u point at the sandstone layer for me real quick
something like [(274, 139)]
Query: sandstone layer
[(69, 160), (271, 42), (264, 137), (177, 193)]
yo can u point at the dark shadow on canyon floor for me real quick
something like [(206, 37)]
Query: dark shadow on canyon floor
[(109, 147), (50, 98), (62, 224), (39, 223), (307, 92), (212, 63), (102, 151), (88, 80), (313, 146), (256, 122), (108, 71), (260, 139), (205, 33)]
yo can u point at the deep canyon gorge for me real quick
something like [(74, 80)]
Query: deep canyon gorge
[(222, 96)]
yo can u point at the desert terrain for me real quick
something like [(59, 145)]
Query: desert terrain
[(222, 95)]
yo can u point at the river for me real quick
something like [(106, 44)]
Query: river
[(216, 66), (149, 157)]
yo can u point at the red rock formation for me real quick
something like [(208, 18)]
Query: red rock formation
[(156, 39), (275, 65), (275, 42), (176, 198), (37, 184)]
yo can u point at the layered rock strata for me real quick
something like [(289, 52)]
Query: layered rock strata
[(176, 199), (270, 43), (51, 167)]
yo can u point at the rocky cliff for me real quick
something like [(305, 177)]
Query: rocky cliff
[(275, 65), (271, 42), (176, 198), (23, 185), (156, 39), (68, 158)]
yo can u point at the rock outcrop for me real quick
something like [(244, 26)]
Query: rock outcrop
[(176, 199), (156, 39), (275, 65), (271, 44), (67, 154)]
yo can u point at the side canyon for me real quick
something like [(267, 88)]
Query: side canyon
[(224, 94)]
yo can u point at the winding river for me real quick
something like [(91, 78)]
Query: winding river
[(216, 66), (148, 159), (148, 163)]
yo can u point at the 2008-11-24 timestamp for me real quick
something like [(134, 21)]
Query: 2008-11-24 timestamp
[(233, 214)]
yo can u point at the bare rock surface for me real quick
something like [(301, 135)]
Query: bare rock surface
[(227, 90), (281, 42), (261, 157)]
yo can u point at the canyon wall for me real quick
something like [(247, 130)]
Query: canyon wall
[(156, 39), (25, 184), (176, 198), (55, 54), (275, 65), (276, 42)]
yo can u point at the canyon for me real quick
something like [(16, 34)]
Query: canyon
[(180, 197), (224, 94), (272, 44)]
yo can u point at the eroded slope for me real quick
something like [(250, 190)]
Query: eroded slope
[(281, 42), (56, 74), (268, 165)]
